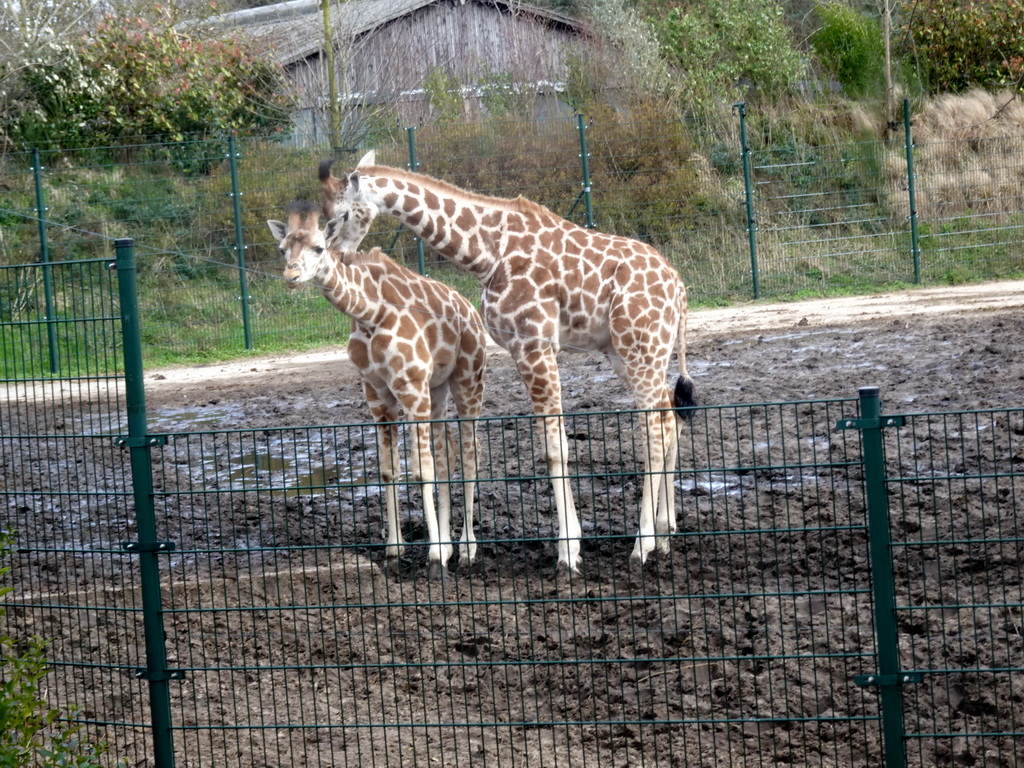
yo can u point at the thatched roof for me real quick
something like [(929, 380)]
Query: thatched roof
[(293, 30)]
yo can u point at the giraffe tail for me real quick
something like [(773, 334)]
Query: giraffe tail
[(683, 400)]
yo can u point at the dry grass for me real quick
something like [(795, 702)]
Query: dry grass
[(967, 156)]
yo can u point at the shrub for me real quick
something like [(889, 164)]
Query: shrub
[(720, 49), (130, 81), (850, 47), (957, 44)]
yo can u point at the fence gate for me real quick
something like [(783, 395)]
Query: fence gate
[(844, 588)]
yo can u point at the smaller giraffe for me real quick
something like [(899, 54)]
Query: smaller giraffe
[(415, 341)]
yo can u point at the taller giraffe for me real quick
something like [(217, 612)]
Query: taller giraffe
[(549, 284)]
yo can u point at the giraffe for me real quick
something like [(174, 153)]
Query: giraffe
[(414, 341), (550, 285)]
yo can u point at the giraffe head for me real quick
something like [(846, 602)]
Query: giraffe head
[(301, 241), (337, 189), (355, 219)]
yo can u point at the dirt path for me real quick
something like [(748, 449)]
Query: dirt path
[(930, 347)]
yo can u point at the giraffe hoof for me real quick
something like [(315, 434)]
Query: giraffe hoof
[(391, 565), (636, 561), (567, 573), (436, 571)]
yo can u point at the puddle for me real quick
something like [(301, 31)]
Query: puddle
[(259, 469), (715, 482), (251, 465), (182, 420)]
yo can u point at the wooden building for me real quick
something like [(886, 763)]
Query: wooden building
[(392, 55)]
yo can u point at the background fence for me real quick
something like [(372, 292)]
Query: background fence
[(746, 212), (844, 589)]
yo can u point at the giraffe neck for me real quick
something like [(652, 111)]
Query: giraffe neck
[(350, 289), (456, 229)]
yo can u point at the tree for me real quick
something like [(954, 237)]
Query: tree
[(33, 34)]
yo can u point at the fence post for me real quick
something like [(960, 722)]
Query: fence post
[(147, 547), (585, 160), (741, 108), (243, 278), (909, 144), (889, 679), (414, 166), (44, 257)]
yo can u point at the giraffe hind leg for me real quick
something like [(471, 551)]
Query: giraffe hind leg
[(666, 521), (656, 448)]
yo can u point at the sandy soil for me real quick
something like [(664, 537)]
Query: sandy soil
[(928, 348)]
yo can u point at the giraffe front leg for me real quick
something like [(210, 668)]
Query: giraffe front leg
[(556, 447), (423, 471), (385, 413), (470, 452), (443, 463), (387, 450), (538, 368)]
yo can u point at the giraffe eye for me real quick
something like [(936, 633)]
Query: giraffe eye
[(319, 250), (283, 252)]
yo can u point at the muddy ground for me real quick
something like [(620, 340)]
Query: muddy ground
[(738, 649)]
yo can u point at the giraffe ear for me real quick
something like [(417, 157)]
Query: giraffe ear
[(333, 228), (370, 158), (353, 182), (277, 229)]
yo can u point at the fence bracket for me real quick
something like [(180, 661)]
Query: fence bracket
[(885, 681), (167, 674), (150, 546), (124, 441), (879, 423)]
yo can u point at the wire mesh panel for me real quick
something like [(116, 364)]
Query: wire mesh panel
[(65, 497), (300, 645), (826, 218), (968, 196), (957, 483)]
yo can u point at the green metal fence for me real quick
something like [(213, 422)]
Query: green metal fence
[(746, 212), (844, 588)]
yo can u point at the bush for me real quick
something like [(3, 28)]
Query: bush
[(721, 49), (958, 44), (850, 47), (132, 81), (32, 734)]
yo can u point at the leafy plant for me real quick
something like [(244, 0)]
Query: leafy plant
[(850, 46), (957, 44), (131, 79), (723, 48), (444, 94)]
